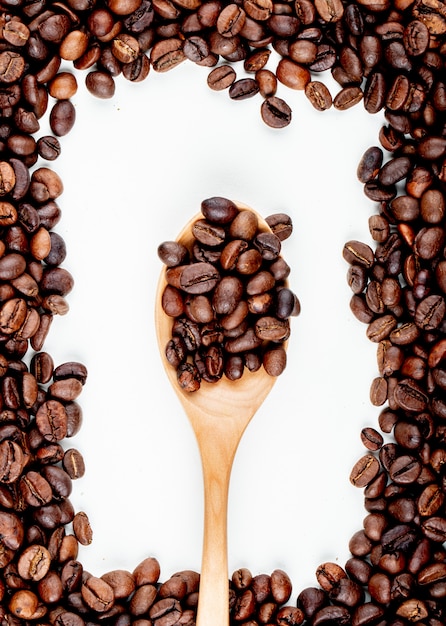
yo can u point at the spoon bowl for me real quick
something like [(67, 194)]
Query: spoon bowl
[(219, 414)]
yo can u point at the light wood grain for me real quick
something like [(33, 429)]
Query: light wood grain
[(219, 414)]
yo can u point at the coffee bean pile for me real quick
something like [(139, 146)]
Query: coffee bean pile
[(227, 295), (391, 57)]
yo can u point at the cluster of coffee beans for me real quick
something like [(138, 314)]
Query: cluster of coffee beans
[(376, 51), (227, 294)]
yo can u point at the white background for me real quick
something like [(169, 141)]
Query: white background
[(135, 169)]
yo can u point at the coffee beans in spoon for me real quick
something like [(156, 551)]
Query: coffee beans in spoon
[(227, 294)]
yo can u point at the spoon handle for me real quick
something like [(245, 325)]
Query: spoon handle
[(213, 602)]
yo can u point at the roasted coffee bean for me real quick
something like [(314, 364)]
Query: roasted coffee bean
[(222, 77), (267, 83), (231, 253), (272, 329), (249, 262), (172, 301), (292, 74), (394, 170), (244, 226), (231, 20), (188, 377), (62, 117), (274, 361), (97, 594), (71, 369), (410, 396), (100, 84), (364, 471), (430, 312), (243, 88), (358, 253), (370, 164), (219, 210), (73, 463), (48, 147), (275, 112), (405, 470), (208, 234), (34, 563), (12, 66), (371, 439), (167, 54), (268, 244), (51, 420), (82, 528), (35, 489), (12, 461), (172, 253), (199, 278), (227, 295)]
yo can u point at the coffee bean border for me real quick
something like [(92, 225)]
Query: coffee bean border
[(387, 55)]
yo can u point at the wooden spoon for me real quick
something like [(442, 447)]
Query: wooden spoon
[(219, 414)]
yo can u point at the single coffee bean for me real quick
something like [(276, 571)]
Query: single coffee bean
[(430, 500), (410, 396), (243, 88), (275, 112), (48, 147), (62, 117), (364, 471), (221, 77), (371, 439), (347, 97), (188, 377), (24, 604), (166, 611), (167, 54), (97, 594), (34, 563), (318, 95), (51, 420), (219, 210), (100, 84), (196, 49), (227, 295), (272, 329), (12, 66), (141, 601), (370, 164), (121, 581), (35, 489), (267, 83), (11, 461), (73, 463), (292, 74), (208, 234), (394, 170), (430, 312), (199, 278), (82, 528), (310, 600), (231, 20), (274, 362), (359, 253), (405, 470), (268, 244)]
